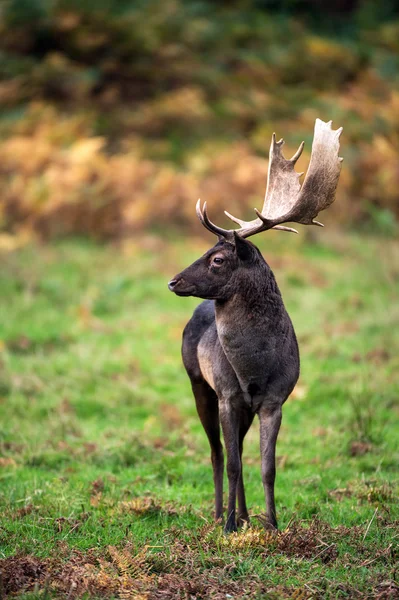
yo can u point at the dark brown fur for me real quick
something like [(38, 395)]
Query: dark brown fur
[(241, 354)]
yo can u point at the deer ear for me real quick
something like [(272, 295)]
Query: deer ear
[(243, 248)]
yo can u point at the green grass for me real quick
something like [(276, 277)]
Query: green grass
[(103, 456)]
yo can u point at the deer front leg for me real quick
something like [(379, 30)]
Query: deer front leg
[(246, 418), (270, 421), (229, 418), (242, 515)]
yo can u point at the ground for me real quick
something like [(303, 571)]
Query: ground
[(106, 484)]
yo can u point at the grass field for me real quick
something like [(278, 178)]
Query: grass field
[(106, 486)]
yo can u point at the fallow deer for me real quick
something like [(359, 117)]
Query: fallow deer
[(239, 348)]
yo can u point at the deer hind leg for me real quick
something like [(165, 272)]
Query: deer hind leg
[(270, 421), (208, 411), (246, 419)]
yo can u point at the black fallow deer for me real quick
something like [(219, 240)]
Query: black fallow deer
[(239, 347)]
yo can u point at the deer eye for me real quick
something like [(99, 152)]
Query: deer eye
[(218, 261)]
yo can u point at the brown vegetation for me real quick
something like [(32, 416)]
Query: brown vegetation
[(122, 115), (174, 572)]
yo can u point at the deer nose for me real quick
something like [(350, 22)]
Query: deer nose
[(172, 284)]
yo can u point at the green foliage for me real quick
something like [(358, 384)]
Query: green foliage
[(382, 220), (105, 474), (25, 13)]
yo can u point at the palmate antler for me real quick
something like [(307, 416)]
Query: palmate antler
[(285, 199)]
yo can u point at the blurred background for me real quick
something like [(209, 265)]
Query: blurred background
[(116, 115)]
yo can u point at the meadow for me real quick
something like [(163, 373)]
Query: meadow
[(106, 484)]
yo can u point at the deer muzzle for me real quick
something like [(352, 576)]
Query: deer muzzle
[(181, 287)]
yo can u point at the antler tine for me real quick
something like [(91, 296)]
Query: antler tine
[(207, 223), (297, 154), (282, 228), (235, 219)]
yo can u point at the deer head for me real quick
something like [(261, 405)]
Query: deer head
[(218, 273), (285, 201)]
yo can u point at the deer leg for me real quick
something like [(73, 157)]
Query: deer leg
[(270, 421), (242, 514), (208, 410), (229, 418)]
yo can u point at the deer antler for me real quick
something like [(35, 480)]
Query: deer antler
[(285, 199)]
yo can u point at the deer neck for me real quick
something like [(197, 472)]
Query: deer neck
[(248, 326)]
